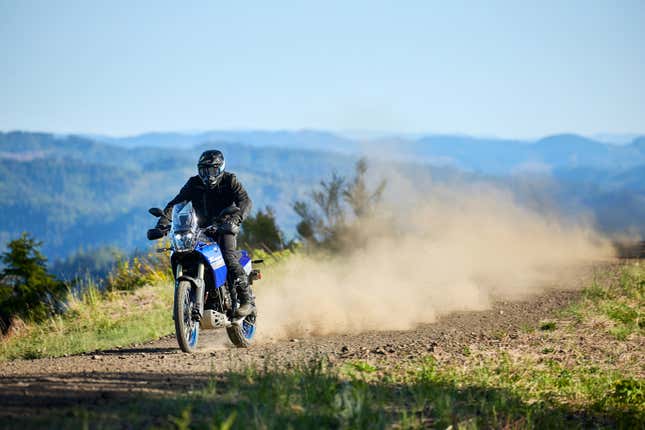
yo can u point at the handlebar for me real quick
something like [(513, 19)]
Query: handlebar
[(211, 232)]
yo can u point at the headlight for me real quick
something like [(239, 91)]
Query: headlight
[(183, 240)]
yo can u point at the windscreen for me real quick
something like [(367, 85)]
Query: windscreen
[(183, 217), (184, 227)]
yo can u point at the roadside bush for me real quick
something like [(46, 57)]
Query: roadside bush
[(130, 274)]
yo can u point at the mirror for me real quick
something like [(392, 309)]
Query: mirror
[(156, 212)]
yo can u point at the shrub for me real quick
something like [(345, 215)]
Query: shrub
[(130, 274)]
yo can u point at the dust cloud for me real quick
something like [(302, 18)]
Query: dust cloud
[(431, 250)]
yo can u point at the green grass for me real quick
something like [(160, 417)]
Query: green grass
[(548, 326), (96, 321), (360, 366), (620, 301), (496, 393)]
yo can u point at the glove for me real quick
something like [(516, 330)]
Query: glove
[(211, 231), (163, 225), (229, 227), (236, 219)]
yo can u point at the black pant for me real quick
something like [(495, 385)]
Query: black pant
[(228, 244)]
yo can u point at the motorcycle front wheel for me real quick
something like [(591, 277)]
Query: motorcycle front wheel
[(186, 328)]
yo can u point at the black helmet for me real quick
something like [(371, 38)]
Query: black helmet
[(211, 167)]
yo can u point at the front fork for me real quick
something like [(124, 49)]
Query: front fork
[(198, 310), (199, 300)]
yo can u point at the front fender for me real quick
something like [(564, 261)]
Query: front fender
[(214, 259)]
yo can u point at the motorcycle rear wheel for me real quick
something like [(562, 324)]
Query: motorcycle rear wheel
[(186, 329), (242, 335)]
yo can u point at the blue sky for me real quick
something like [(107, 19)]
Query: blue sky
[(505, 68)]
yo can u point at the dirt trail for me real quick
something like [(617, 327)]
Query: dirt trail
[(27, 386)]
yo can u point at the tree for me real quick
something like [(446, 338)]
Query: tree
[(327, 222), (26, 289), (356, 194), (262, 231)]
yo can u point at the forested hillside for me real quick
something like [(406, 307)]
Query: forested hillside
[(76, 192)]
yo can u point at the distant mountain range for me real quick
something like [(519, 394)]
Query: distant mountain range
[(483, 155), (83, 191)]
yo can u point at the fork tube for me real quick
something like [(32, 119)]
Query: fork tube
[(178, 274), (199, 300)]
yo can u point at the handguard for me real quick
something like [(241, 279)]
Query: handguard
[(155, 233)]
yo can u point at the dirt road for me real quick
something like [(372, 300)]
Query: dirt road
[(35, 386)]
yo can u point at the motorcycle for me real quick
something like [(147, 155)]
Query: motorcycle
[(204, 299)]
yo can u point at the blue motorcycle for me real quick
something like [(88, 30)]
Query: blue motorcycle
[(203, 297)]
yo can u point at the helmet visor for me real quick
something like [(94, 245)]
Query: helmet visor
[(207, 172)]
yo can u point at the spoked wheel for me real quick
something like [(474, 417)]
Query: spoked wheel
[(242, 334), (186, 329)]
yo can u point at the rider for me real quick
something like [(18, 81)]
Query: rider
[(210, 192)]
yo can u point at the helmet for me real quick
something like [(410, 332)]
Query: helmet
[(211, 167)]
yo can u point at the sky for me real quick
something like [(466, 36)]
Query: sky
[(496, 68)]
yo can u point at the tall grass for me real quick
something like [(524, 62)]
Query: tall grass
[(133, 304), (96, 320)]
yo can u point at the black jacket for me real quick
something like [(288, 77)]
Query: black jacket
[(209, 203)]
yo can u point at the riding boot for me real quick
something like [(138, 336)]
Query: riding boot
[(244, 295)]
